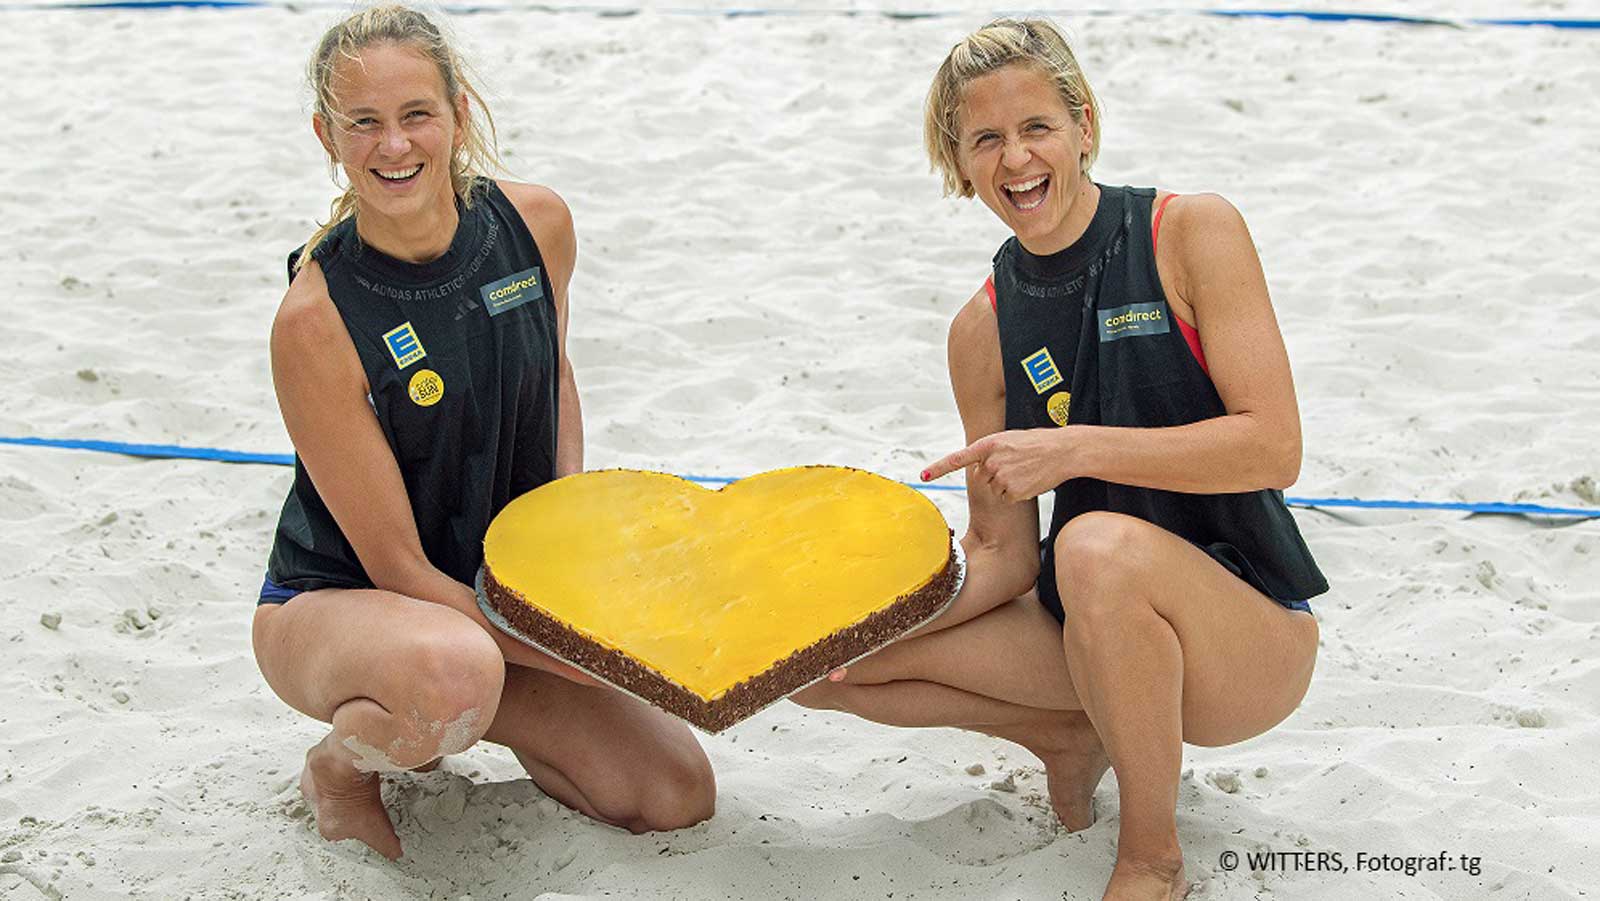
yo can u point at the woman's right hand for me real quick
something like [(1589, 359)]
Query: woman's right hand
[(1017, 465)]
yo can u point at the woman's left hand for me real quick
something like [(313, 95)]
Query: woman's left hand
[(1019, 464)]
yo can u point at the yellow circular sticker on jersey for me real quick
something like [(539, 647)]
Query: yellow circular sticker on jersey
[(426, 388), (1058, 405)]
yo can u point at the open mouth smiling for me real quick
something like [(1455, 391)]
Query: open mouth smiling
[(1027, 194), (398, 176)]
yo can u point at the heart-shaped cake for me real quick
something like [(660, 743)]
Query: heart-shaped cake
[(712, 604)]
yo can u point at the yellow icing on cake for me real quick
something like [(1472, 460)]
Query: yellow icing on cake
[(709, 588)]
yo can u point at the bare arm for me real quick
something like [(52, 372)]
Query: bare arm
[(1002, 539), (1210, 263), (322, 390), (1217, 274), (550, 222)]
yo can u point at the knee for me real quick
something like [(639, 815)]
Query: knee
[(1098, 560), (681, 792), (456, 678)]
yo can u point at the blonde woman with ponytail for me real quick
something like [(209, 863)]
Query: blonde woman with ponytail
[(419, 362)]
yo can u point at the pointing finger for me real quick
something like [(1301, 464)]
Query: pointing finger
[(944, 466)]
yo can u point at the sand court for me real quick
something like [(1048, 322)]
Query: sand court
[(766, 275)]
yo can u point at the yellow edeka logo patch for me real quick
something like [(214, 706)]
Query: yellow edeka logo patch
[(1058, 405), (1041, 370), (404, 345), (426, 388)]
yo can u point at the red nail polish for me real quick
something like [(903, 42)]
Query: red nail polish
[(924, 475)]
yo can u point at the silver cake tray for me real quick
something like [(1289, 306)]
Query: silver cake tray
[(504, 625)]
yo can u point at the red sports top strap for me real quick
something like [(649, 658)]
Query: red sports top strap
[(988, 285), (1190, 334), (1155, 227)]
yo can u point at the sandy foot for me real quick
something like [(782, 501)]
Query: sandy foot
[(1137, 882), (1074, 763), (348, 803)]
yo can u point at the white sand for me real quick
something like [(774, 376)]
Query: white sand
[(766, 276)]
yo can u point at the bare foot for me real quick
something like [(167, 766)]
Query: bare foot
[(1074, 763), (1132, 881), (348, 803)]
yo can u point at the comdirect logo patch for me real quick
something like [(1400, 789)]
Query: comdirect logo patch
[(404, 345), (512, 291), (1041, 370), (1134, 319)]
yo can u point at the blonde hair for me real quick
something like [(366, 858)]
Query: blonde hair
[(479, 153), (1001, 43)]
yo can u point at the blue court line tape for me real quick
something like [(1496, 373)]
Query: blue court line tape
[(155, 451), (1511, 509), (903, 15), (1398, 18), (1580, 24), (179, 452), (1320, 16)]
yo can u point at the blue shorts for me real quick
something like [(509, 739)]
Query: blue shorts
[(273, 593), (1235, 562)]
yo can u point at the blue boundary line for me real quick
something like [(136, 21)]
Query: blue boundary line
[(903, 15), (213, 454), (155, 451)]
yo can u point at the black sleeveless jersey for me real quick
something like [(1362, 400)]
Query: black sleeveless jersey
[(1087, 338), (460, 354)]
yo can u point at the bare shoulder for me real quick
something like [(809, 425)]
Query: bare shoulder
[(1207, 251), (306, 317), (1201, 221), (537, 202), (550, 221), (310, 342), (974, 324)]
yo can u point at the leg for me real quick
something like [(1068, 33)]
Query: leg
[(1002, 674), (425, 683), (1012, 653), (1164, 645), (603, 753)]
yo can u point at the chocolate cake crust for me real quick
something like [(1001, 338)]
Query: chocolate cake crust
[(746, 698)]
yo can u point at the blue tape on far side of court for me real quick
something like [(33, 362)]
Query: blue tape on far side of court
[(220, 455), (1313, 15)]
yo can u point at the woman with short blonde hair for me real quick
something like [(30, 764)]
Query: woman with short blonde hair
[(1123, 356)]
